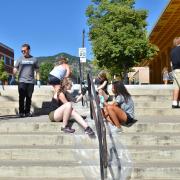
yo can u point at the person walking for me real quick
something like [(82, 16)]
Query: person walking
[(165, 75), (25, 66), (175, 59)]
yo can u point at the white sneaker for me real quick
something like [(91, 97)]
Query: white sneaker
[(114, 129), (119, 130)]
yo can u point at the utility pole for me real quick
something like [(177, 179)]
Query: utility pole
[(82, 57), (83, 37)]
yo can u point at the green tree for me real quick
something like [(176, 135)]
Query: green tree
[(1, 66), (45, 69), (118, 35), (4, 76), (3, 73)]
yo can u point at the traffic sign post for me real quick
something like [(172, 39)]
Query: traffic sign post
[(82, 59), (82, 55)]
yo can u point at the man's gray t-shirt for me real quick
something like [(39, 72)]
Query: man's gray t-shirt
[(128, 106), (26, 67)]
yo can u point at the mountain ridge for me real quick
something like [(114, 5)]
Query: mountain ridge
[(72, 59)]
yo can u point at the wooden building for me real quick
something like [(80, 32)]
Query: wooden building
[(162, 35)]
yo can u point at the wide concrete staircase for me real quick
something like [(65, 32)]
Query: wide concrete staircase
[(34, 148)]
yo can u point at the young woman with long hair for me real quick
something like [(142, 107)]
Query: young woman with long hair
[(121, 112)]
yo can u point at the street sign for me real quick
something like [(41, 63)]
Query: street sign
[(82, 52), (82, 60)]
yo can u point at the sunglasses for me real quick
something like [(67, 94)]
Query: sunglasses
[(23, 51)]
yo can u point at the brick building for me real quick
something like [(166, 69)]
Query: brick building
[(8, 56)]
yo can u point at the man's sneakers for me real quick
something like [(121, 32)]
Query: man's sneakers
[(67, 129), (28, 114), (89, 131), (175, 107), (21, 115)]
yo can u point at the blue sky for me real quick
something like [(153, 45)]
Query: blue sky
[(54, 26)]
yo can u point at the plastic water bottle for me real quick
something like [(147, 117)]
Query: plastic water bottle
[(101, 101), (39, 83)]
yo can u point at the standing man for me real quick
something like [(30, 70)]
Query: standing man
[(26, 65), (175, 58)]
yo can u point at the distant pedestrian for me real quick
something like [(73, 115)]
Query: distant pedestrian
[(25, 66), (59, 72), (165, 75), (175, 59)]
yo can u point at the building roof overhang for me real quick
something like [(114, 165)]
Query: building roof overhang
[(166, 29)]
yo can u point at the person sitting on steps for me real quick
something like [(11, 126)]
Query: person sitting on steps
[(62, 110), (102, 85), (68, 86), (121, 112)]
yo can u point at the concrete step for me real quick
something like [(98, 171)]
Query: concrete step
[(168, 104), (157, 112), (44, 178), (14, 111), (13, 127), (55, 169), (151, 98), (48, 153), (15, 98), (68, 153), (153, 127), (12, 97), (155, 105), (43, 124), (52, 139), (155, 170), (149, 111), (139, 97), (134, 154), (157, 92), (39, 108), (50, 169), (13, 104), (14, 88)]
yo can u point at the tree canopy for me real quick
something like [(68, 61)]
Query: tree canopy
[(3, 73), (45, 69), (118, 34)]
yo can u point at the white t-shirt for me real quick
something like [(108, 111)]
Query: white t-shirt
[(59, 72)]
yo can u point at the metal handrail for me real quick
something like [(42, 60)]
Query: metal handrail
[(100, 126), (96, 114)]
